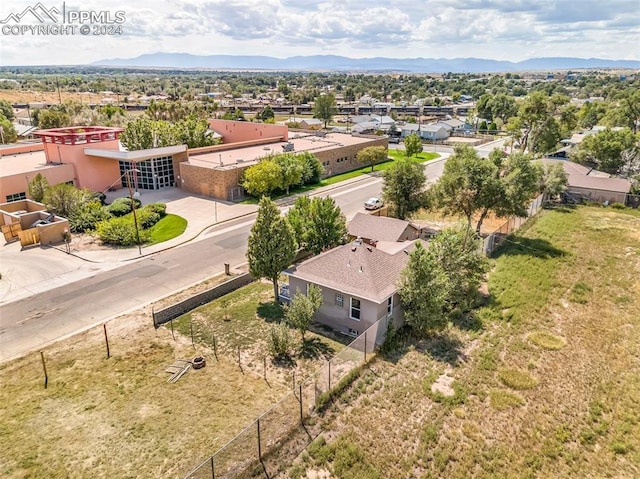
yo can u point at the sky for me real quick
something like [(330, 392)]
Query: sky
[(495, 29)]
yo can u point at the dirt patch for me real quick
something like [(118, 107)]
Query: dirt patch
[(443, 385)]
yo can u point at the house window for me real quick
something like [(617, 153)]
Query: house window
[(355, 309), (339, 300), (16, 197), (389, 305)]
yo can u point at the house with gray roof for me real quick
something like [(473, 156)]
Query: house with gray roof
[(426, 132), (358, 283), (373, 229), (590, 184)]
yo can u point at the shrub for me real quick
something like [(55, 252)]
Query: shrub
[(502, 399), (122, 206), (159, 208), (147, 218), (618, 206), (120, 231), (88, 216), (279, 342)]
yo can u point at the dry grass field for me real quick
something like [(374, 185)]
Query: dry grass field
[(119, 417), (544, 379)]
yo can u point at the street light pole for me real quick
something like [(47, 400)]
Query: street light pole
[(133, 210)]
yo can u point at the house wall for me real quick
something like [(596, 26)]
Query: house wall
[(338, 318), (19, 183), (599, 195), (91, 172), (343, 159), (235, 131)]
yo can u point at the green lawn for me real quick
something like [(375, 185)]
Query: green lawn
[(169, 227), (545, 376)]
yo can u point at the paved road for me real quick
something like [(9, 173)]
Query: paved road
[(46, 317)]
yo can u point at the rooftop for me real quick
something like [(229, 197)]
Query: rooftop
[(357, 269), (302, 142), (23, 163), (378, 228), (580, 176)]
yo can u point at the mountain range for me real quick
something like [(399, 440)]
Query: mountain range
[(340, 63)]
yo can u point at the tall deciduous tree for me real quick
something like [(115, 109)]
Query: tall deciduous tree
[(372, 155), (272, 246), (423, 289), (325, 108), (403, 188), (473, 186), (37, 187), (8, 132), (605, 148), (412, 145), (318, 223), (457, 251), (291, 170), (302, 309), (554, 180)]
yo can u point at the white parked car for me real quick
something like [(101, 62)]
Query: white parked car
[(373, 204)]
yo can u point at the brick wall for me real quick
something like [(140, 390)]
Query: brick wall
[(344, 159)]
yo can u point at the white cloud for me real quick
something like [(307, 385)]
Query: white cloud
[(500, 29)]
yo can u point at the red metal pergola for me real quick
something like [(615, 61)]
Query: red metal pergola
[(76, 135)]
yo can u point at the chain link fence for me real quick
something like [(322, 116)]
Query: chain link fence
[(496, 238), (274, 439)]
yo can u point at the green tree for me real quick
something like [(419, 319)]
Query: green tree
[(6, 110), (266, 113), (8, 132), (53, 119), (65, 200), (143, 133), (554, 180), (312, 169), (629, 102), (291, 170), (262, 179), (272, 246), (423, 289), (302, 309), (318, 223), (473, 186), (193, 132), (412, 145), (279, 341), (403, 188), (37, 187), (325, 108), (605, 149), (458, 252), (371, 155), (591, 113)]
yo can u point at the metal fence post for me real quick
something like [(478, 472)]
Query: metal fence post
[(329, 363), (259, 445), (301, 413), (213, 469), (365, 346)]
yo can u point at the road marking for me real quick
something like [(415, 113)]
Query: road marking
[(37, 315)]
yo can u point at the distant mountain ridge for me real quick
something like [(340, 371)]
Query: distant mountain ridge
[(340, 63)]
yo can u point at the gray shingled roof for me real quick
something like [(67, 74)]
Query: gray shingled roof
[(380, 228), (358, 270), (580, 176)]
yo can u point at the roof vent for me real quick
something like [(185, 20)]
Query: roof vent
[(358, 241), (361, 269), (370, 249), (406, 251)]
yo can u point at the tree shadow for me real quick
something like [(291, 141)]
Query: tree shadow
[(284, 361), (468, 321), (271, 312), (561, 208), (444, 348), (313, 348), (534, 247)]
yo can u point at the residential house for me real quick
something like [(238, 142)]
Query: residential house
[(311, 123), (374, 229), (593, 185), (432, 132), (358, 283)]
